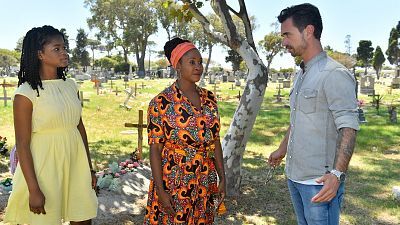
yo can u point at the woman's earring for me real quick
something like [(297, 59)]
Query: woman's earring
[(178, 74)]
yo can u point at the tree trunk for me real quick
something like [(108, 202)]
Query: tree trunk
[(140, 62), (125, 55), (236, 138), (209, 58), (92, 59)]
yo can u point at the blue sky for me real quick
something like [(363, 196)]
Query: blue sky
[(363, 20)]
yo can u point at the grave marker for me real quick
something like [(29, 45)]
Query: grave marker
[(140, 126), (216, 91), (367, 85), (5, 98), (116, 91), (82, 99), (129, 95), (278, 95)]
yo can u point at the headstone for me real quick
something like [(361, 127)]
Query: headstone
[(212, 78), (361, 116), (224, 78), (286, 83), (392, 114), (280, 80), (231, 78), (202, 83), (274, 77), (396, 83), (367, 85), (237, 83), (396, 192)]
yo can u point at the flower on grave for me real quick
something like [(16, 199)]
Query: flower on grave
[(3, 149), (117, 175), (115, 185), (114, 168), (360, 103), (123, 171)]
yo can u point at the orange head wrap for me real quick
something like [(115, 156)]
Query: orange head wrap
[(179, 51)]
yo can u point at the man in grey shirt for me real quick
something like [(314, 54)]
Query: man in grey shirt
[(323, 121)]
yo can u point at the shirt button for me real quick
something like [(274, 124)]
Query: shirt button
[(290, 156), (297, 93), (294, 109)]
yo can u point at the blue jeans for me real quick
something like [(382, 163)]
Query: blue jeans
[(309, 213)]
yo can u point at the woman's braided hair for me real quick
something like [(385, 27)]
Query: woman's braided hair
[(34, 41)]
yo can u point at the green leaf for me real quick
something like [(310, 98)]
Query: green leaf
[(199, 4)]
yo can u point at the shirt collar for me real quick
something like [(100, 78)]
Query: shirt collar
[(200, 90), (314, 60)]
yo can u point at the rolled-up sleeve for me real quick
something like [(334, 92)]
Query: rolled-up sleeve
[(339, 89)]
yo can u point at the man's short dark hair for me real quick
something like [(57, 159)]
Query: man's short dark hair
[(303, 15)]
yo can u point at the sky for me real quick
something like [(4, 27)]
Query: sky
[(362, 20)]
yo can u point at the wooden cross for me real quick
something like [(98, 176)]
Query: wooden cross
[(129, 95), (238, 96), (5, 98), (278, 96), (126, 84), (111, 84), (216, 90), (233, 87), (143, 85), (116, 91), (374, 96), (82, 99), (135, 89), (140, 126), (376, 100)]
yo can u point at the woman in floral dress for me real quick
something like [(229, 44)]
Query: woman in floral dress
[(188, 179)]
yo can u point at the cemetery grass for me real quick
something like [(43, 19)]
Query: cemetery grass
[(374, 169)]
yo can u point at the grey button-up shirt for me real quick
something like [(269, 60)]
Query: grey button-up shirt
[(322, 101)]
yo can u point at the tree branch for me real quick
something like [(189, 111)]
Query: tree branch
[(247, 25), (208, 28), (234, 11), (222, 10)]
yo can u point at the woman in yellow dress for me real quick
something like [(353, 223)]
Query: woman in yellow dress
[(54, 180)]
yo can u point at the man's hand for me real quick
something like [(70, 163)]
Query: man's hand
[(276, 157), (329, 190)]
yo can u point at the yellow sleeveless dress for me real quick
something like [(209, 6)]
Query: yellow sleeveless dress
[(59, 158)]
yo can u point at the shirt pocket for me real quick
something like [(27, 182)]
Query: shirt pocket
[(308, 100)]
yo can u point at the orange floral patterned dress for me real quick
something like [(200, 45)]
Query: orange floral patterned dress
[(188, 163)]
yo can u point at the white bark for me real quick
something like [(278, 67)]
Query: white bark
[(235, 140)]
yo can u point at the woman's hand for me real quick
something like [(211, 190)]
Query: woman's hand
[(36, 202), (166, 201), (221, 190), (94, 179)]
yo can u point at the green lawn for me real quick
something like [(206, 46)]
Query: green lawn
[(374, 169)]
